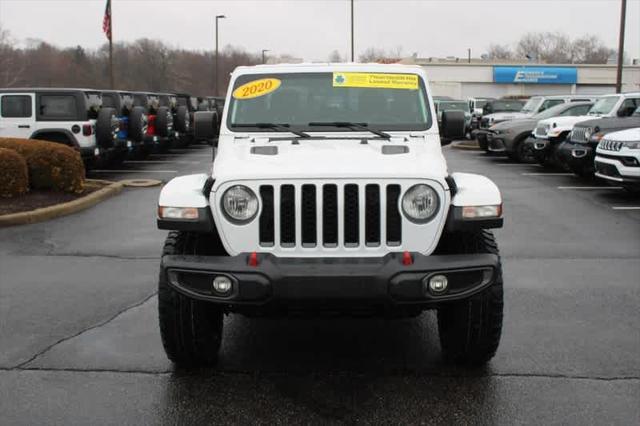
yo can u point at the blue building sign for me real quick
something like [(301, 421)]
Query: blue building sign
[(535, 75)]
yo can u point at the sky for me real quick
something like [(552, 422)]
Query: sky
[(311, 29)]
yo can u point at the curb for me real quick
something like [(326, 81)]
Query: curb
[(465, 147), (64, 209)]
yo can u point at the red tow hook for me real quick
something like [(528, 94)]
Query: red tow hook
[(253, 259), (407, 259)]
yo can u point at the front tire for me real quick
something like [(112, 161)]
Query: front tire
[(470, 329), (191, 330)]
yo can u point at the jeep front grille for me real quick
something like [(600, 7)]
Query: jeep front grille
[(579, 134), (331, 215)]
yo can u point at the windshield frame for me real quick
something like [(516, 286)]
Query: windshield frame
[(239, 80)]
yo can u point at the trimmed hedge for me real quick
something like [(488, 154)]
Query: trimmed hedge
[(51, 165), (14, 175)]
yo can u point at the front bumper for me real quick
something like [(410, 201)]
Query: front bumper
[(495, 143), (329, 281), (613, 170), (577, 156)]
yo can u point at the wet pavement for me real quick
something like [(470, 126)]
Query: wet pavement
[(79, 341)]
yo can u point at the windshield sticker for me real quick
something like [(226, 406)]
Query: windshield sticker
[(379, 81), (256, 88)]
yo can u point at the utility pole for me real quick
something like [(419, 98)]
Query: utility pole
[(469, 54), (352, 49), (623, 13), (217, 81), (263, 52)]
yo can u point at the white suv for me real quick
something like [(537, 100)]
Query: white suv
[(618, 158), (65, 116), (329, 193)]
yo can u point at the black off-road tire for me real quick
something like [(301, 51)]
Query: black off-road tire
[(191, 330), (520, 151), (105, 129), (182, 121), (164, 122), (470, 329), (137, 124)]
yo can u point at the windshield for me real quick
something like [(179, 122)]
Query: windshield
[(603, 106), (532, 104), (507, 106), (453, 106), (554, 111), (481, 103), (381, 101)]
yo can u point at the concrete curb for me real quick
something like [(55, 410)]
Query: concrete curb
[(465, 147), (64, 209)]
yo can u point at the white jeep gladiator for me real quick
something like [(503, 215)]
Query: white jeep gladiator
[(329, 193)]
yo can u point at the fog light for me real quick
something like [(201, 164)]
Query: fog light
[(222, 284), (437, 284)]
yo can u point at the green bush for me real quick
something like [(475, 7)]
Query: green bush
[(14, 175), (51, 165)]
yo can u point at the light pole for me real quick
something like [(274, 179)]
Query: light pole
[(352, 50), (215, 90), (263, 52), (623, 12)]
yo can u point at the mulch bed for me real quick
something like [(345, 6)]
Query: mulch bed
[(36, 199)]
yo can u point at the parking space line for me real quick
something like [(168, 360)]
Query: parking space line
[(548, 174), (517, 164), (591, 187), (160, 162), (625, 207), (133, 171)]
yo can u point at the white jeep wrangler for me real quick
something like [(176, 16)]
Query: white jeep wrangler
[(329, 193)]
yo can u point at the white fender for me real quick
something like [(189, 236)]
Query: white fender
[(475, 190), (184, 191)]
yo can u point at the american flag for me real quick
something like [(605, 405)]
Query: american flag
[(106, 22)]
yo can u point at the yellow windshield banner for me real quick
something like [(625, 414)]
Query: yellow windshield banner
[(256, 88), (379, 81)]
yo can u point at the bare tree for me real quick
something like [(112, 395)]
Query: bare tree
[(499, 51), (11, 68), (545, 47), (590, 50), (375, 54), (335, 57)]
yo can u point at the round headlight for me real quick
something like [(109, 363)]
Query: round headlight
[(420, 203), (239, 204), (588, 132)]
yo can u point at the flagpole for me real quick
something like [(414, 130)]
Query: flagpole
[(111, 77)]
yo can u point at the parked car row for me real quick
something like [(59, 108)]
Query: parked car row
[(109, 126), (572, 134)]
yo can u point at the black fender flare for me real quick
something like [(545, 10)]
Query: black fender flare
[(65, 132)]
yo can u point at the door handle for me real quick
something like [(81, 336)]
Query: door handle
[(23, 126)]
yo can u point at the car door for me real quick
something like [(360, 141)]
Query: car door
[(17, 118)]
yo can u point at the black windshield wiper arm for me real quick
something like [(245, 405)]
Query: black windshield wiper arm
[(352, 126), (282, 127)]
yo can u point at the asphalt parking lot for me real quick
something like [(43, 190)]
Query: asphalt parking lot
[(79, 340)]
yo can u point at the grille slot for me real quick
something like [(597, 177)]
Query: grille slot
[(330, 215), (372, 215), (267, 238), (287, 216), (394, 221), (351, 215), (308, 221), (579, 134)]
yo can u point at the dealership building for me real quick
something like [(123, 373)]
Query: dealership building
[(463, 80)]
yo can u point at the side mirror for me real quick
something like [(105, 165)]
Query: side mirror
[(205, 126), (453, 126)]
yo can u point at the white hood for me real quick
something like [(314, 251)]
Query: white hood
[(505, 116), (565, 123), (329, 159)]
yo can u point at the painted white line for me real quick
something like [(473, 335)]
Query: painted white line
[(591, 187), (547, 174), (517, 165), (625, 207), (133, 171), (160, 162)]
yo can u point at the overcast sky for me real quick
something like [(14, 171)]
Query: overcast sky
[(311, 29)]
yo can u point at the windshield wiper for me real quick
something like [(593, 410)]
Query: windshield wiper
[(352, 126), (282, 127)]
